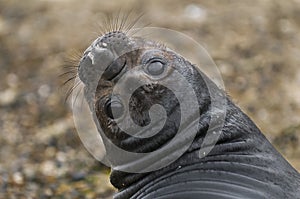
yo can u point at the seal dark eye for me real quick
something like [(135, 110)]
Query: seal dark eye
[(155, 67), (114, 108)]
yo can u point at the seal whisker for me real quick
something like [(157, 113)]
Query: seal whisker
[(124, 20), (111, 23), (133, 23), (70, 66), (68, 80), (68, 73), (106, 23), (78, 93), (70, 91), (116, 21), (119, 22), (100, 28), (136, 30)]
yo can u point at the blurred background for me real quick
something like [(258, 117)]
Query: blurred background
[(255, 44)]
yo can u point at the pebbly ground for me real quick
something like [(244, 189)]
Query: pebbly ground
[(254, 43)]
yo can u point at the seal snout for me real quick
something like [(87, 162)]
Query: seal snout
[(104, 57)]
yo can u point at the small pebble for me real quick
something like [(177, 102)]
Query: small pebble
[(18, 178), (12, 80), (48, 192), (195, 12), (48, 168), (44, 91), (78, 176), (8, 97)]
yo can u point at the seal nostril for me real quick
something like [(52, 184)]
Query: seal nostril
[(114, 108), (101, 45)]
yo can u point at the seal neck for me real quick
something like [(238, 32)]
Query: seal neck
[(236, 139)]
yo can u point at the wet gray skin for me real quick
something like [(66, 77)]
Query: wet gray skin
[(243, 164)]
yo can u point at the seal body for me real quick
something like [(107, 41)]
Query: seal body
[(242, 164)]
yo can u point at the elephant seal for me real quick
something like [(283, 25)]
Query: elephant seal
[(242, 163)]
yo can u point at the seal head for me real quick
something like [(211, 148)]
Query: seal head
[(103, 66), (242, 164)]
